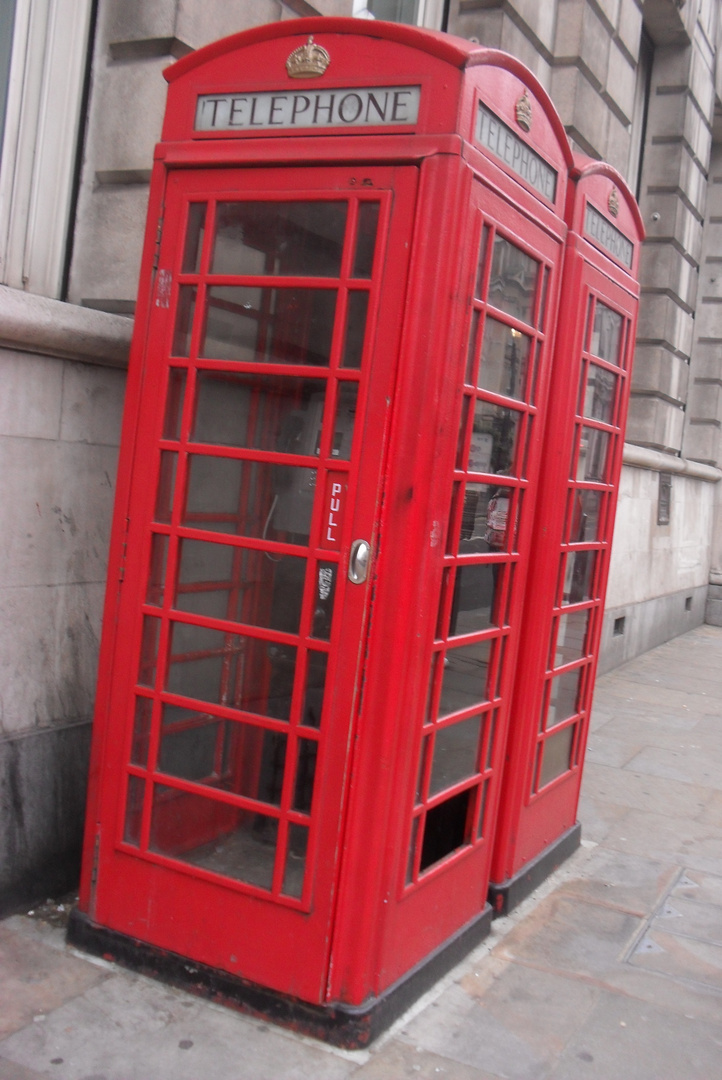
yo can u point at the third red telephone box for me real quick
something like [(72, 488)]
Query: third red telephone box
[(329, 466), (569, 558)]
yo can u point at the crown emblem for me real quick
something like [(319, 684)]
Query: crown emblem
[(307, 61), (523, 112), (613, 202)]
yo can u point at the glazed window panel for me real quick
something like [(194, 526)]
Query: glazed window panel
[(513, 280), (563, 697), (593, 456), (281, 239), (494, 439), (571, 637), (599, 394), (556, 755), (505, 354), (456, 751), (475, 601), (464, 681), (485, 519), (195, 232), (578, 576), (249, 498), (367, 229), (586, 515), (606, 333), (259, 412), (269, 325)]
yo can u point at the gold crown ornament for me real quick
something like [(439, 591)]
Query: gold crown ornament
[(523, 112), (613, 202), (307, 61)]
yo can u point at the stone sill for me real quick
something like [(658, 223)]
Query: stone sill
[(38, 324), (642, 458)]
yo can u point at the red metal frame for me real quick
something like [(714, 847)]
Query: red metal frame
[(374, 903), (540, 798)]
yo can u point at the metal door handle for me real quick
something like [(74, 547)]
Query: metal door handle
[(358, 563)]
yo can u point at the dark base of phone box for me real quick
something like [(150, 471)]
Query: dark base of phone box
[(350, 1027), (510, 893)]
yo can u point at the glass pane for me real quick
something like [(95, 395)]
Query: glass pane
[(571, 638), (585, 517), (475, 591), (512, 285), (563, 697), (174, 403), (194, 238), (228, 669), (368, 220), (134, 810), (279, 238), (323, 606), (593, 451), (166, 486), (156, 575), (184, 320), (238, 844), (479, 291), (493, 439), (484, 519), (504, 360), (357, 310), (305, 774), (250, 498), (141, 731), (259, 412), (447, 828), (149, 650), (606, 333), (456, 750), (557, 754), (315, 686), (241, 758), (344, 425), (252, 587), (269, 325), (465, 675), (295, 861), (599, 394), (578, 576)]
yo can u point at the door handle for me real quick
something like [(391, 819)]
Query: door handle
[(358, 563)]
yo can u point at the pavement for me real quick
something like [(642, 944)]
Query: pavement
[(611, 969)]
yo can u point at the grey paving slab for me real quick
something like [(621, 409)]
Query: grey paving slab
[(681, 957), (686, 765), (566, 934), (10, 1071), (36, 979), (132, 1028), (628, 882), (700, 887), (659, 836), (691, 918), (644, 791), (632, 1040), (399, 1061), (610, 751)]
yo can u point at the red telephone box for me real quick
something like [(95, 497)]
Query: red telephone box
[(569, 558), (329, 462)]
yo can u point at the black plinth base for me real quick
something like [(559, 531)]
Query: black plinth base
[(351, 1027), (506, 896)]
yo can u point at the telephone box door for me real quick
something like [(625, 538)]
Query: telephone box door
[(238, 628)]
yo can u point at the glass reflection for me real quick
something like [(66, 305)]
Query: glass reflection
[(456, 749), (563, 697), (485, 524), (571, 638), (585, 517), (476, 589), (229, 669), (368, 221), (557, 755), (578, 576), (279, 238), (606, 333), (269, 325), (356, 312), (599, 394), (493, 439), (194, 238), (260, 412), (464, 681), (512, 283), (504, 360), (593, 452), (249, 498)]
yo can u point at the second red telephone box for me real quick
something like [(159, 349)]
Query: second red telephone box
[(569, 558)]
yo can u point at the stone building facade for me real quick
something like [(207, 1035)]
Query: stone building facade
[(81, 101)]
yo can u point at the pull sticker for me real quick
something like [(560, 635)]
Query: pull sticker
[(334, 505)]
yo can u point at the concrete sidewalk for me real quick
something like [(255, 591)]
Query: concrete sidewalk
[(612, 969)]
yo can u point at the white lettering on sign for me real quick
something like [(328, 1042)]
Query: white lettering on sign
[(501, 141), (358, 107), (611, 239), (334, 508)]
